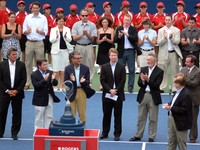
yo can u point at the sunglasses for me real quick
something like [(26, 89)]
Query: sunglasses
[(143, 7), (84, 15), (160, 7)]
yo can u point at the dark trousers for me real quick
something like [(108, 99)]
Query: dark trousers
[(108, 106), (16, 114), (194, 130), (186, 53)]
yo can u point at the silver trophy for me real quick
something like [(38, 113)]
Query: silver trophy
[(67, 92)]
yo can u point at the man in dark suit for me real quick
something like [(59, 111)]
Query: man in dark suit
[(180, 114), (113, 78), (79, 74), (126, 38), (43, 81), (148, 98), (12, 82), (192, 77)]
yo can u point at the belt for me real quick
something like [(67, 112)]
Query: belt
[(84, 44), (34, 40), (171, 51), (128, 49), (146, 49)]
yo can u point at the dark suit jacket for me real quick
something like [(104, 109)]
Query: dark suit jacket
[(5, 81), (84, 71), (154, 84), (133, 38), (43, 88), (107, 80), (193, 83), (182, 110)]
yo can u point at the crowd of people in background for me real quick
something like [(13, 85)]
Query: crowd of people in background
[(155, 40)]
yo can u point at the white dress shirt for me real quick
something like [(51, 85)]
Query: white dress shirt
[(12, 68)]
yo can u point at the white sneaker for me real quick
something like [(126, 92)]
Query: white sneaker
[(127, 70), (137, 71), (34, 68), (98, 71)]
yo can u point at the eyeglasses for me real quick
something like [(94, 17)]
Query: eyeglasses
[(77, 57), (84, 15)]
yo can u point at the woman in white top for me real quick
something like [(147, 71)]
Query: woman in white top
[(60, 36)]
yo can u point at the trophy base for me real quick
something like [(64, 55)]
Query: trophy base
[(58, 129)]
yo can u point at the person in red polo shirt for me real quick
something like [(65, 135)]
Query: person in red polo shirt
[(73, 17), (197, 15), (92, 16), (60, 14), (47, 44), (141, 15), (107, 12), (20, 16), (4, 11), (158, 21), (120, 15), (180, 18)]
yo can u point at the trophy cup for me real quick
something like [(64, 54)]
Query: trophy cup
[(67, 126)]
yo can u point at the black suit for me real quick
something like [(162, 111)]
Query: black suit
[(107, 81), (5, 99), (43, 88), (133, 38), (154, 84), (182, 110)]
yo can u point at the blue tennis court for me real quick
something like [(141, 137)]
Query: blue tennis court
[(94, 121)]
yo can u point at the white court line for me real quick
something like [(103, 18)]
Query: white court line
[(144, 146), (123, 142)]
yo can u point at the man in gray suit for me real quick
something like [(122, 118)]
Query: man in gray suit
[(169, 51), (192, 75)]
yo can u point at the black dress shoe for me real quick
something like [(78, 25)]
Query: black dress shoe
[(151, 140), (135, 139), (1, 136), (103, 136), (161, 91), (15, 137), (130, 90), (117, 138)]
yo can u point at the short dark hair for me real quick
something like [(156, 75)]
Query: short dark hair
[(146, 21), (40, 61), (59, 18), (110, 22), (193, 18), (36, 3), (72, 54), (193, 58), (83, 10)]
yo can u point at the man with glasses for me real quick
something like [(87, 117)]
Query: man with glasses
[(4, 11), (84, 33), (80, 76)]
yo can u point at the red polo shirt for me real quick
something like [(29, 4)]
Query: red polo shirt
[(197, 16), (93, 17), (119, 18), (4, 16), (178, 23), (157, 19), (139, 17), (20, 17), (50, 18), (71, 20)]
